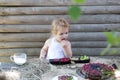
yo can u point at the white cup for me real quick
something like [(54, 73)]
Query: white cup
[(19, 58)]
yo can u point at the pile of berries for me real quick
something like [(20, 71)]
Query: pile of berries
[(97, 69), (65, 77)]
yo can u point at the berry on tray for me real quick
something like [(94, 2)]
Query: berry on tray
[(60, 61), (65, 77)]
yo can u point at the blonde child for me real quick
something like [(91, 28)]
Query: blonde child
[(9, 75), (58, 46)]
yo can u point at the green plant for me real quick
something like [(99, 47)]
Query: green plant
[(113, 39), (75, 11)]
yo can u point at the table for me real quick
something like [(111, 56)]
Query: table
[(64, 69), (38, 70)]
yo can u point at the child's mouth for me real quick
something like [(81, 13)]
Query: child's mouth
[(63, 39)]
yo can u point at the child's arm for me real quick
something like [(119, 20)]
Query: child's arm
[(44, 49), (67, 48)]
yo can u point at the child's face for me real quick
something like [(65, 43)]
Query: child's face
[(62, 34)]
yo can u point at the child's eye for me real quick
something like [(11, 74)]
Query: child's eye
[(66, 33), (61, 33)]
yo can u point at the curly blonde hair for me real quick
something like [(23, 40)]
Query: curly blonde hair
[(58, 24)]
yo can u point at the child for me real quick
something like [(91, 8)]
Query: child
[(2, 75), (58, 45), (9, 75)]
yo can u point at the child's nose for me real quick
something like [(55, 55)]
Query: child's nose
[(65, 35)]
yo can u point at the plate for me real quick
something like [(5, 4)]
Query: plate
[(56, 77), (79, 72), (60, 61), (81, 59)]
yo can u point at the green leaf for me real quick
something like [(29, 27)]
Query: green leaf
[(105, 50), (113, 51), (119, 39), (79, 1), (116, 38), (110, 38), (74, 12)]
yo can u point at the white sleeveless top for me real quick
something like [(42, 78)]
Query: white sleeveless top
[(55, 50)]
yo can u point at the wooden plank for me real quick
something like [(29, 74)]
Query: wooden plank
[(94, 27), (7, 59), (76, 36), (75, 44), (21, 44), (24, 36), (33, 2), (36, 51), (87, 36), (32, 10), (55, 2), (90, 44), (47, 19), (25, 28), (90, 36), (73, 28), (57, 10), (100, 9), (44, 36), (93, 51), (28, 51)]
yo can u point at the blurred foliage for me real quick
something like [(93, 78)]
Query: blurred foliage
[(113, 39), (75, 11), (79, 1)]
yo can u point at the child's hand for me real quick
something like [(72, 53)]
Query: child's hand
[(64, 43), (41, 58)]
